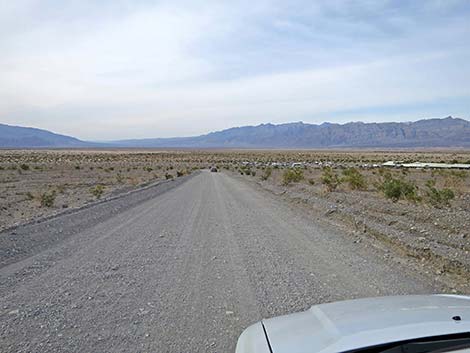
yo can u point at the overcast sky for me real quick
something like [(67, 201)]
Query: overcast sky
[(115, 69)]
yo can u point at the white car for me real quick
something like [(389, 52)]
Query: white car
[(400, 324)]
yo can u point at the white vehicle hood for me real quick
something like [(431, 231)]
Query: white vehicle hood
[(353, 324)]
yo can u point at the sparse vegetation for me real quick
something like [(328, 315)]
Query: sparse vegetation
[(47, 199), (438, 208), (267, 173), (245, 170), (460, 174), (396, 189), (355, 179), (292, 176), (132, 169), (97, 191), (330, 179), (438, 197)]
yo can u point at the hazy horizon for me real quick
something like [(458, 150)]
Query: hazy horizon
[(117, 69), (241, 126)]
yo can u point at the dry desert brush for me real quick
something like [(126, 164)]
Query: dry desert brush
[(355, 179), (398, 188), (292, 176), (330, 179)]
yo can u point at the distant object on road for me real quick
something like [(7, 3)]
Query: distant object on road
[(414, 323), (426, 165), (214, 170)]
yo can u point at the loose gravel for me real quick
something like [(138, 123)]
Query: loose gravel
[(181, 267)]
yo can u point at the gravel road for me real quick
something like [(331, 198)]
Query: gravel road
[(180, 267)]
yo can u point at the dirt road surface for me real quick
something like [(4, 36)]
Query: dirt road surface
[(181, 267)]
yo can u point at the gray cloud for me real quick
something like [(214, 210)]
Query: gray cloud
[(133, 69)]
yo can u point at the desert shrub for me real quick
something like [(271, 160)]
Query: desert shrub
[(453, 178), (330, 179), (29, 196), (355, 179), (292, 176), (311, 181), (179, 173), (97, 191), (266, 174), (438, 197), (119, 178), (245, 170), (47, 199), (460, 174), (396, 189), (148, 169), (382, 171), (77, 167), (24, 166), (253, 173), (168, 176)]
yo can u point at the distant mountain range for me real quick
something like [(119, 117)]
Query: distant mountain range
[(28, 137), (446, 132)]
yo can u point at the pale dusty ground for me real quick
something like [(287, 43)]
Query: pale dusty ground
[(25, 176), (437, 237), (184, 266)]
